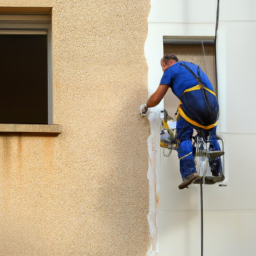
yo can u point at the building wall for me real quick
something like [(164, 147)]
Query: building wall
[(229, 217), (84, 192)]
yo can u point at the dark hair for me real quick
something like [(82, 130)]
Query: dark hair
[(168, 57)]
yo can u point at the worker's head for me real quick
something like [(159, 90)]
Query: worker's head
[(168, 60)]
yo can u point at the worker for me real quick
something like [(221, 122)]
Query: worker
[(198, 109)]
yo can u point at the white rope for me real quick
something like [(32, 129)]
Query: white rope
[(185, 156)]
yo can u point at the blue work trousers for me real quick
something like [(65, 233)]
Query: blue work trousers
[(185, 149)]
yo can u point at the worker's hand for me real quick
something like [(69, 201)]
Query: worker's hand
[(143, 109)]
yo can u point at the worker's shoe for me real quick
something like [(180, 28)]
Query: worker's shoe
[(188, 180), (210, 180), (209, 153), (215, 153)]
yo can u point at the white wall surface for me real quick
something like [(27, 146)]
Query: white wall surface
[(230, 212)]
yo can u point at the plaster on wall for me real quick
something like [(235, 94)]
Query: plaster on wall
[(161, 24), (229, 212)]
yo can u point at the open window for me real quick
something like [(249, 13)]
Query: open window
[(25, 66)]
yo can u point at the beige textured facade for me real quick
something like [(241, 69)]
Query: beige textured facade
[(85, 191)]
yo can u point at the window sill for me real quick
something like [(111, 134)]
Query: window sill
[(31, 129)]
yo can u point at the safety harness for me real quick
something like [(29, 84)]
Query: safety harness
[(203, 89)]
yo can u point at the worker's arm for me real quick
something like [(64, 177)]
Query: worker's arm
[(154, 99), (157, 96)]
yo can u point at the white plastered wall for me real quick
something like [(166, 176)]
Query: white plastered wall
[(230, 212)]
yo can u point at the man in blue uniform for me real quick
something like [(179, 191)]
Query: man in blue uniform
[(198, 109)]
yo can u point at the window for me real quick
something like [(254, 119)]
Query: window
[(25, 66)]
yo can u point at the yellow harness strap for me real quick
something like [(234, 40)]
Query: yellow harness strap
[(197, 87)]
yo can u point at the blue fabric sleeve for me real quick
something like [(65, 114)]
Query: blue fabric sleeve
[(167, 77)]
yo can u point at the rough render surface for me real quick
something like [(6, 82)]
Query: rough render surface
[(84, 192)]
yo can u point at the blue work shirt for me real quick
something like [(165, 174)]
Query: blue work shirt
[(180, 79), (199, 106)]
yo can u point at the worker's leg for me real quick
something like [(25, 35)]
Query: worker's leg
[(215, 163), (185, 154)]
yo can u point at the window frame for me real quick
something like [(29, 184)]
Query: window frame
[(16, 27)]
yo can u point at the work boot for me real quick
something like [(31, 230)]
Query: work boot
[(212, 180), (209, 180), (188, 180), (209, 154)]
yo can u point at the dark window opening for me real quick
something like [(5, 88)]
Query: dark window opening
[(24, 79)]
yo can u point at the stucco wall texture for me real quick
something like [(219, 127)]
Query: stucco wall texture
[(84, 192)]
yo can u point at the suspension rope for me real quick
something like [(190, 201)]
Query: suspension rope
[(204, 57), (202, 218), (201, 184), (215, 44)]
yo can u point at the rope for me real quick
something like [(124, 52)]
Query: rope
[(202, 219), (185, 156), (204, 56), (215, 44), (168, 153)]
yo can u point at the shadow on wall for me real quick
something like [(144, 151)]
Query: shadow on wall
[(119, 192), (121, 205)]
